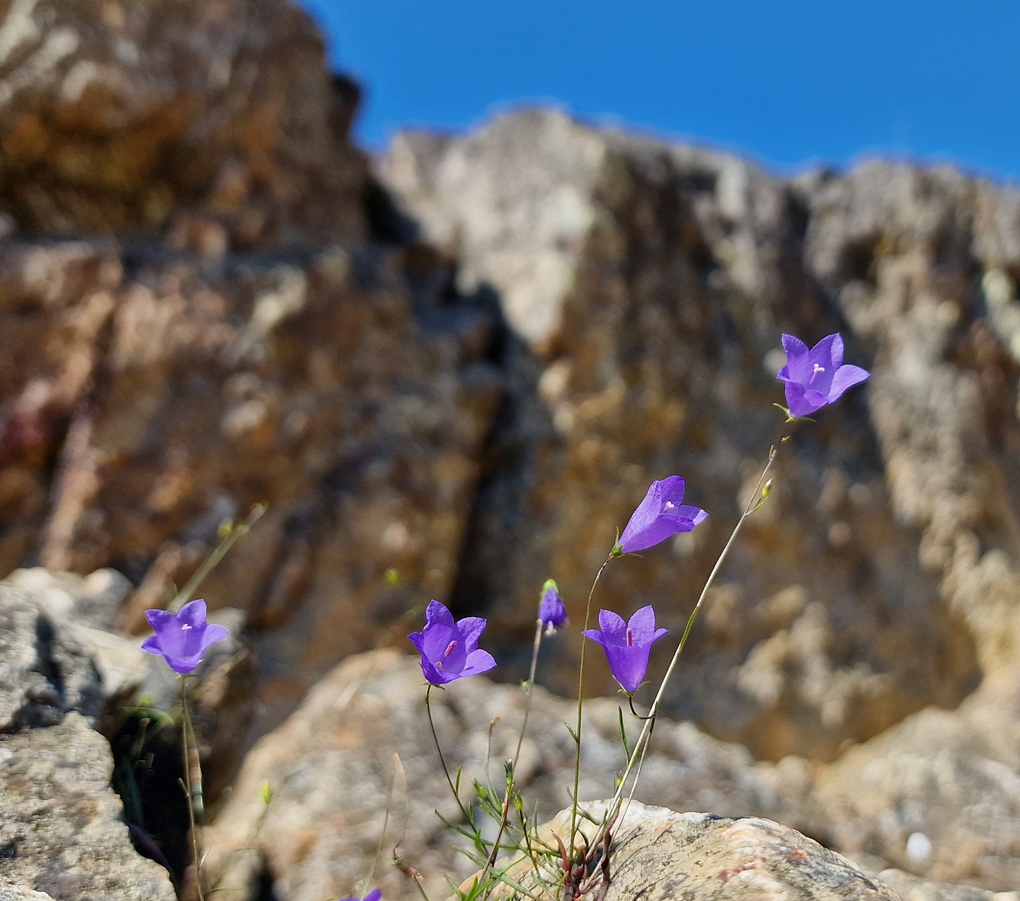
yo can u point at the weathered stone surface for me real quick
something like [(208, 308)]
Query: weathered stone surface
[(911, 888), (44, 672), (216, 121), (937, 795), (307, 385), (61, 825), (93, 601), (664, 856)]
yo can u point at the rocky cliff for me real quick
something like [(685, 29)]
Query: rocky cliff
[(453, 371)]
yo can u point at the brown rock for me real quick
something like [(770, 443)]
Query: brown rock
[(306, 385), (125, 116)]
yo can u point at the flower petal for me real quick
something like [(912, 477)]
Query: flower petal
[(628, 665), (846, 377), (212, 634), (470, 630), (614, 628), (193, 614), (837, 350), (433, 675), (478, 661), (438, 613), (798, 404), (671, 491), (793, 346), (159, 618), (642, 625), (644, 515)]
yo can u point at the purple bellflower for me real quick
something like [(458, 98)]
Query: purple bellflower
[(661, 515), (627, 644), (816, 377), (449, 650), (182, 638), (551, 610), (373, 895)]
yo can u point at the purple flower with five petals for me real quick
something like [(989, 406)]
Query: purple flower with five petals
[(182, 638), (659, 516), (551, 610), (449, 650), (816, 377), (373, 895), (627, 644)]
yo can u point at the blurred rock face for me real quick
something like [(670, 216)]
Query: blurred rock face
[(877, 579), (560, 316), (215, 121)]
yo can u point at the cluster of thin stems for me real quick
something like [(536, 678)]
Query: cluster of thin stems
[(636, 757)]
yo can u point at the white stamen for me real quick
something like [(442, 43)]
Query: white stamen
[(669, 506), (185, 627)]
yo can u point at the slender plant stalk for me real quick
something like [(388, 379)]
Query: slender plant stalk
[(529, 688), (219, 552), (192, 784), (755, 501), (442, 759), (580, 707), (505, 815)]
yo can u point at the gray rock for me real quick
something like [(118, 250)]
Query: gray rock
[(93, 600), (44, 671), (913, 888), (61, 825), (660, 855)]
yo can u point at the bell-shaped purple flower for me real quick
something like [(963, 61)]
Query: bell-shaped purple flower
[(816, 377), (627, 644), (449, 650), (659, 516), (182, 638), (552, 612), (373, 895)]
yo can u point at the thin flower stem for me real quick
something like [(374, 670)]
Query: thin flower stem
[(752, 505), (442, 759), (580, 707), (228, 541), (499, 835), (192, 783), (529, 688)]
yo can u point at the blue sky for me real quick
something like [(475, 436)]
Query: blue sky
[(790, 82)]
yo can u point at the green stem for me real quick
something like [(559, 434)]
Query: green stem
[(192, 783), (236, 532), (580, 706), (755, 501), (442, 759), (529, 688)]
